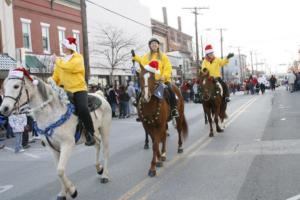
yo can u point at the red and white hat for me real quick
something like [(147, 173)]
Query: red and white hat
[(152, 67), (70, 43), (208, 49), (21, 72)]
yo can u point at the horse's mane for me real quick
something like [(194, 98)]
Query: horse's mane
[(51, 89)]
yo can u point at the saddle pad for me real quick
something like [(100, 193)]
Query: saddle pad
[(159, 91), (93, 102)]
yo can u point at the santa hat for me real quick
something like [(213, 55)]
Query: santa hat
[(21, 72), (70, 43), (208, 49), (152, 67)]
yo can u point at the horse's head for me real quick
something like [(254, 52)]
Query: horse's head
[(147, 83), (207, 84), (16, 91)]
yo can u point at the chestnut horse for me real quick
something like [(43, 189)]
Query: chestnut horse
[(154, 114), (213, 102)]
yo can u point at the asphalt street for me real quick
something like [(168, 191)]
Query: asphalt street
[(255, 158)]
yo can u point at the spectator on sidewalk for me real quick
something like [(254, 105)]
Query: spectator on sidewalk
[(132, 95), (18, 123), (124, 100), (291, 80)]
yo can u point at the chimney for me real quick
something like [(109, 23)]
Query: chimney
[(179, 23), (165, 15)]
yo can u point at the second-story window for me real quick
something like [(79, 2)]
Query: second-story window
[(61, 37), (26, 34), (76, 34), (46, 38)]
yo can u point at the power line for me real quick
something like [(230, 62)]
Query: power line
[(120, 15)]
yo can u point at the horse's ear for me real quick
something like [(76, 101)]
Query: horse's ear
[(42, 89)]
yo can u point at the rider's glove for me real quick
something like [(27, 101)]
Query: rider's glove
[(132, 53), (230, 55)]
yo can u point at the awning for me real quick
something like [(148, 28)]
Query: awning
[(34, 65)]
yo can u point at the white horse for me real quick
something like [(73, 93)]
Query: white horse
[(47, 109)]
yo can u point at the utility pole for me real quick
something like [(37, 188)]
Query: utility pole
[(221, 41), (240, 63), (251, 62), (196, 13), (85, 40)]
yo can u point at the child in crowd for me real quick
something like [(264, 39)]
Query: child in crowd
[(18, 123)]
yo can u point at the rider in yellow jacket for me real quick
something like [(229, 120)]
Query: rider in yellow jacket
[(164, 66), (69, 73), (213, 66)]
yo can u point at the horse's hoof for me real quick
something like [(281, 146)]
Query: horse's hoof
[(61, 198), (101, 171), (104, 180), (180, 151), (146, 146), (220, 130), (151, 173), (211, 135), (74, 195), (163, 158), (168, 134), (159, 164)]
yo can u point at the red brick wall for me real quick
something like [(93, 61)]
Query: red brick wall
[(40, 11)]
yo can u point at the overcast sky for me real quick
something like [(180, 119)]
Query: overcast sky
[(270, 28)]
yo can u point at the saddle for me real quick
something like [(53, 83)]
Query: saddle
[(162, 92), (93, 102)]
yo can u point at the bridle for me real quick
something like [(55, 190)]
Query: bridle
[(17, 99)]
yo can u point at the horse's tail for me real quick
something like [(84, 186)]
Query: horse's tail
[(185, 129)]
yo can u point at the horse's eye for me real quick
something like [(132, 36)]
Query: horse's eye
[(16, 86)]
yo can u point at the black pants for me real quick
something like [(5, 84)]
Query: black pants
[(172, 96), (25, 138), (81, 105), (224, 86)]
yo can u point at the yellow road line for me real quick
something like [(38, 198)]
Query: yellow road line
[(201, 142)]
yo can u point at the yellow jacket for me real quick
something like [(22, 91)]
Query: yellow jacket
[(215, 66), (164, 64), (70, 74)]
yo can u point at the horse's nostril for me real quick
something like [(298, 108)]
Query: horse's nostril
[(5, 109)]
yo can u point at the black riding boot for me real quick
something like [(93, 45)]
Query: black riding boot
[(90, 140), (225, 90), (173, 104)]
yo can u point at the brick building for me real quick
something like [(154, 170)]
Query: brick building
[(41, 25), (177, 45)]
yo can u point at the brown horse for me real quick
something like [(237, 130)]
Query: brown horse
[(213, 102), (154, 114)]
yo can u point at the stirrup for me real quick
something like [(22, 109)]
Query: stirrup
[(90, 140), (227, 99), (175, 113)]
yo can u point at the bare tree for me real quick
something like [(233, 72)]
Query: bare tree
[(114, 47)]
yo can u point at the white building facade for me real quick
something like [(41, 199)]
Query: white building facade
[(7, 35), (138, 26)]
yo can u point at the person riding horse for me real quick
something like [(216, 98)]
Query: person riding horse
[(213, 65), (164, 66), (69, 73)]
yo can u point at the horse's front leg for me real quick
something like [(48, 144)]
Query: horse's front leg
[(179, 130), (103, 170), (163, 149), (63, 192), (207, 111), (68, 186), (155, 148), (146, 146), (217, 120)]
